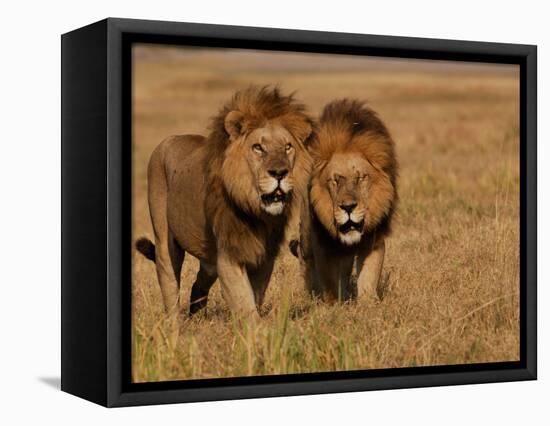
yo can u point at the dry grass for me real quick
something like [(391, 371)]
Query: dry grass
[(452, 265)]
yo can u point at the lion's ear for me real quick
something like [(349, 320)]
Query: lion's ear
[(234, 124)]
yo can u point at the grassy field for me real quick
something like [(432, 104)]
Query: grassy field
[(452, 264)]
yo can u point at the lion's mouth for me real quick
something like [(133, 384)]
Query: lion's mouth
[(350, 225), (277, 196)]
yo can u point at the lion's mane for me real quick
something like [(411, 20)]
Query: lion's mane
[(241, 228), (350, 126)]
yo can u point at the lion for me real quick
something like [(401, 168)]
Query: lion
[(352, 198), (227, 199)]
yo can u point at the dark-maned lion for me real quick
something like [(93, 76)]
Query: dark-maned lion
[(352, 198), (227, 198)]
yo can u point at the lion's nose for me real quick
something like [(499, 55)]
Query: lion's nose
[(348, 206), (278, 173)]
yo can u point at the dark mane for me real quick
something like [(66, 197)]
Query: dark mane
[(350, 125), (352, 116)]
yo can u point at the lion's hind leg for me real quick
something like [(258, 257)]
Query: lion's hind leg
[(169, 261), (206, 277), (168, 254)]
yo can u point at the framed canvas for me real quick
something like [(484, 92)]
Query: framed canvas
[(255, 212)]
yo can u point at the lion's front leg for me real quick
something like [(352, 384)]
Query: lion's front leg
[(332, 277), (236, 288), (313, 287), (369, 269), (259, 279)]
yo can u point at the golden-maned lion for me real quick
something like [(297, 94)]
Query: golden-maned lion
[(352, 198), (227, 198)]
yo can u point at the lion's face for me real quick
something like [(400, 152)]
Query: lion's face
[(271, 156), (353, 182), (349, 196), (260, 163), (346, 180)]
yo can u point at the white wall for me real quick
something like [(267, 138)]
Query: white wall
[(30, 209)]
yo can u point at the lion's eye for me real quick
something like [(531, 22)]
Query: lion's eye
[(288, 147), (257, 148)]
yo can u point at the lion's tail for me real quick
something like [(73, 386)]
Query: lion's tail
[(146, 247)]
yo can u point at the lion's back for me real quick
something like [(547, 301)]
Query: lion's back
[(184, 159)]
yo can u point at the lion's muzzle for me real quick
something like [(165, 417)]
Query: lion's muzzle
[(350, 226), (350, 222), (275, 193), (274, 197)]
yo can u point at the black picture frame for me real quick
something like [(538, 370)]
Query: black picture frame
[(96, 202)]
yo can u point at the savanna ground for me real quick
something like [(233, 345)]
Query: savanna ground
[(451, 275)]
